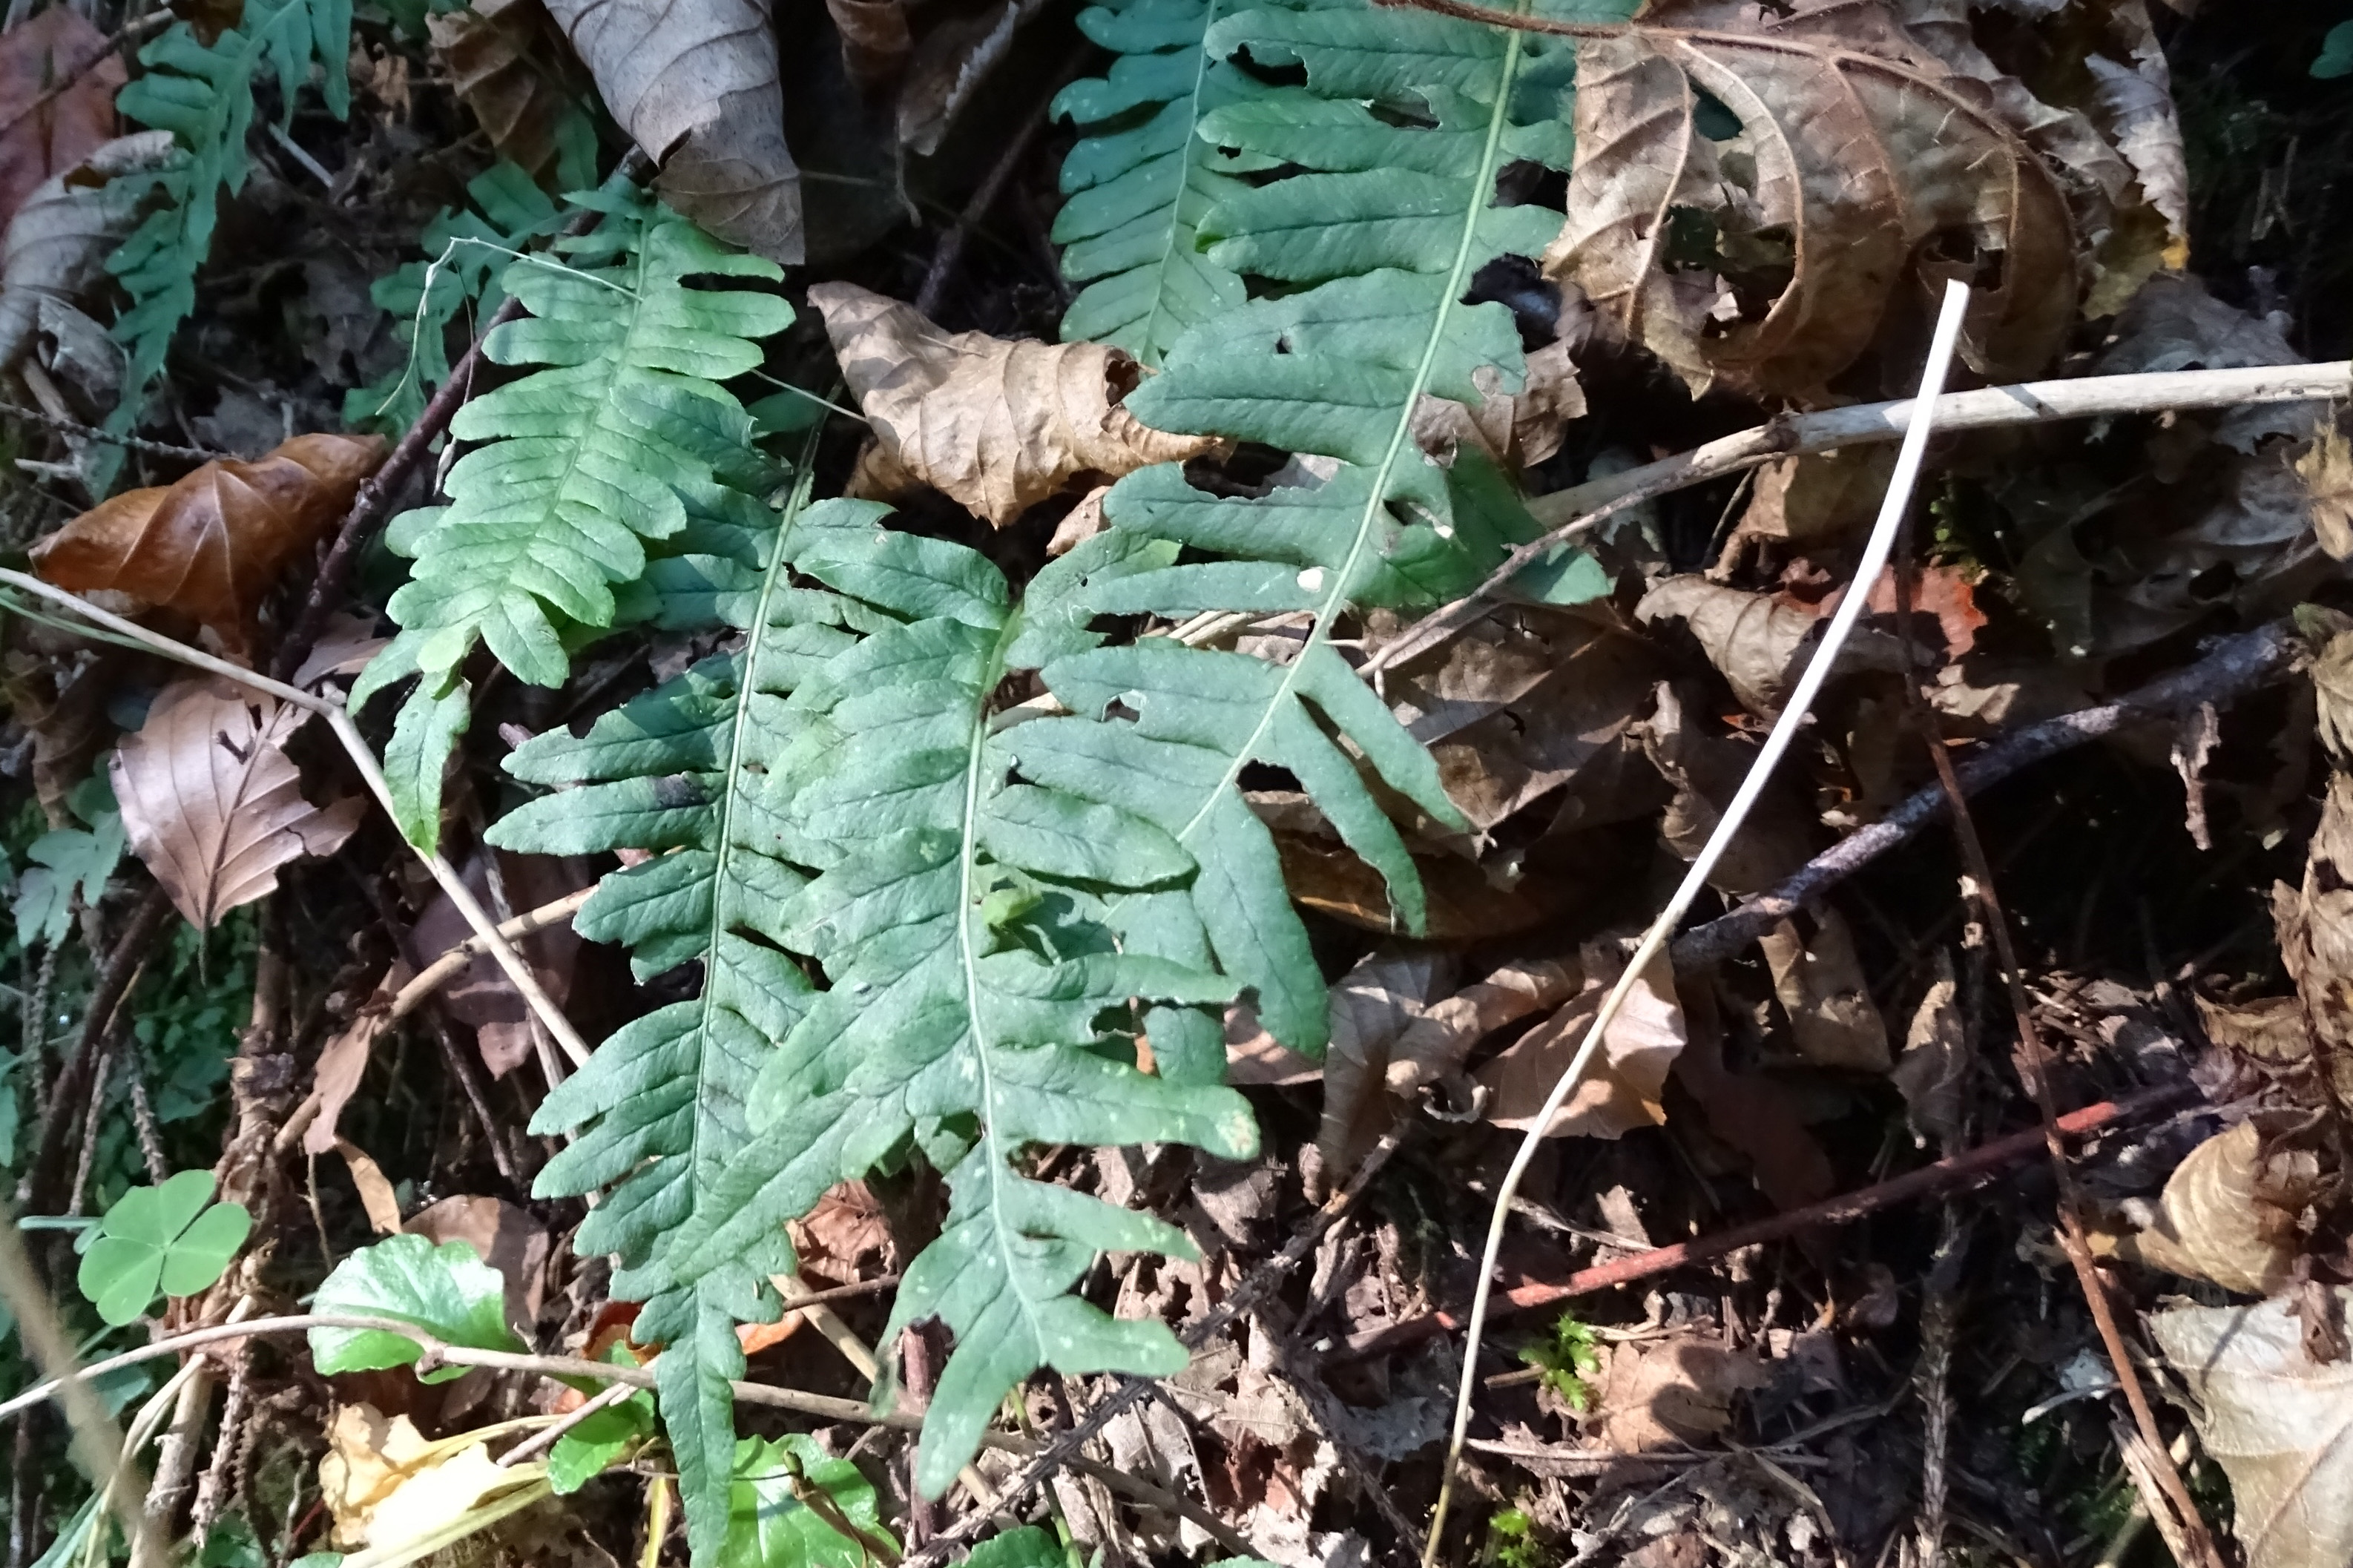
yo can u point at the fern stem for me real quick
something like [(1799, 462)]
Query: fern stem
[(1654, 941)]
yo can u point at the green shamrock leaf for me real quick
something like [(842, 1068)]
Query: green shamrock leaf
[(172, 1239)]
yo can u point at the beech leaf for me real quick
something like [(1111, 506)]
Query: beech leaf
[(694, 83), (1868, 156), (2279, 1424), (2212, 1220), (211, 803), (488, 49), (210, 544), (997, 425), (36, 55)]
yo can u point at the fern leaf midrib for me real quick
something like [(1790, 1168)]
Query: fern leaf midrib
[(723, 841), (1193, 145), (640, 258), (1335, 599), (975, 746)]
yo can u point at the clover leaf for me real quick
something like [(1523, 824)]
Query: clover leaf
[(172, 1239), (447, 1291)]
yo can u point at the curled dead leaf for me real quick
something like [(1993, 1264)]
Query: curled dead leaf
[(59, 237), (2315, 925), (1671, 1392), (210, 802), (1864, 159), (2212, 1221), (210, 545), (1623, 1088), (497, 54), (1372, 1006), (2279, 1423), (997, 425), (1761, 642), (342, 1062), (1933, 1072), (694, 83), (1515, 429)]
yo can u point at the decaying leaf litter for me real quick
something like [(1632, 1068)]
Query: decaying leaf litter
[(1026, 564)]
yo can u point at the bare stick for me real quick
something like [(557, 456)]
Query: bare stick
[(39, 1190), (439, 973), (1566, 513), (1654, 941), (363, 759), (541, 1441), (2034, 1062), (2236, 665), (93, 433)]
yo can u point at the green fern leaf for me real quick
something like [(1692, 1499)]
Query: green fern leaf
[(623, 443), (1138, 187), (205, 97), (834, 789), (466, 252)]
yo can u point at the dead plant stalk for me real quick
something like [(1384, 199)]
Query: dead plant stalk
[(1654, 941)]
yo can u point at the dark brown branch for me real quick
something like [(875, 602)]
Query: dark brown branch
[(1943, 1178), (2237, 665)]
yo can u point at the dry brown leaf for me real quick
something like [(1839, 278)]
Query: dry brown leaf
[(1817, 977), (846, 1236), (39, 54), (1437, 1043), (875, 38), (481, 995), (210, 800), (2315, 925), (1623, 1088), (1749, 1111), (997, 425), (1806, 501), (949, 64), (1514, 429), (377, 1200), (211, 544), (1761, 642), (1670, 1392), (343, 1060), (1372, 1006), (57, 244), (1464, 903), (1862, 148), (694, 83), (2279, 1424), (497, 53), (60, 694), (2212, 1221), (2327, 470), (503, 1236), (1932, 1073)]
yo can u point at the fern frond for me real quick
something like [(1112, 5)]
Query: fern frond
[(466, 251), (1137, 188), (835, 790), (205, 97), (1404, 124), (623, 440)]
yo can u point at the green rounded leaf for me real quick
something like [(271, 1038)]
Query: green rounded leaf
[(446, 1290), (173, 1238), (201, 1254), (119, 1276)]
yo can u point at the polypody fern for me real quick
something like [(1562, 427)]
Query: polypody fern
[(624, 439)]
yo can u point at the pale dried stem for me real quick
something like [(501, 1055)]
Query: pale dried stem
[(1654, 941), (1569, 512), (364, 758)]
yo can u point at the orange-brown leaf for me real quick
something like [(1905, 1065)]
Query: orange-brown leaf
[(210, 544)]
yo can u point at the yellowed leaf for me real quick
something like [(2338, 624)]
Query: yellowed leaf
[(386, 1486), (997, 425), (381, 1204), (210, 800)]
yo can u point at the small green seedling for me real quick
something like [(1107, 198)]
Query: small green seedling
[(2336, 53), (1568, 1358), (173, 1238)]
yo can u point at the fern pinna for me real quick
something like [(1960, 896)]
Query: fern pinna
[(836, 789), (623, 445), (204, 95), (1137, 186)]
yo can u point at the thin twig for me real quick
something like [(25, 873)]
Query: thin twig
[(2034, 1062), (1569, 512), (951, 247), (93, 433), (130, 32), (2236, 665), (1654, 941), (38, 1191), (363, 758), (1942, 1178), (541, 1441), (439, 973)]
